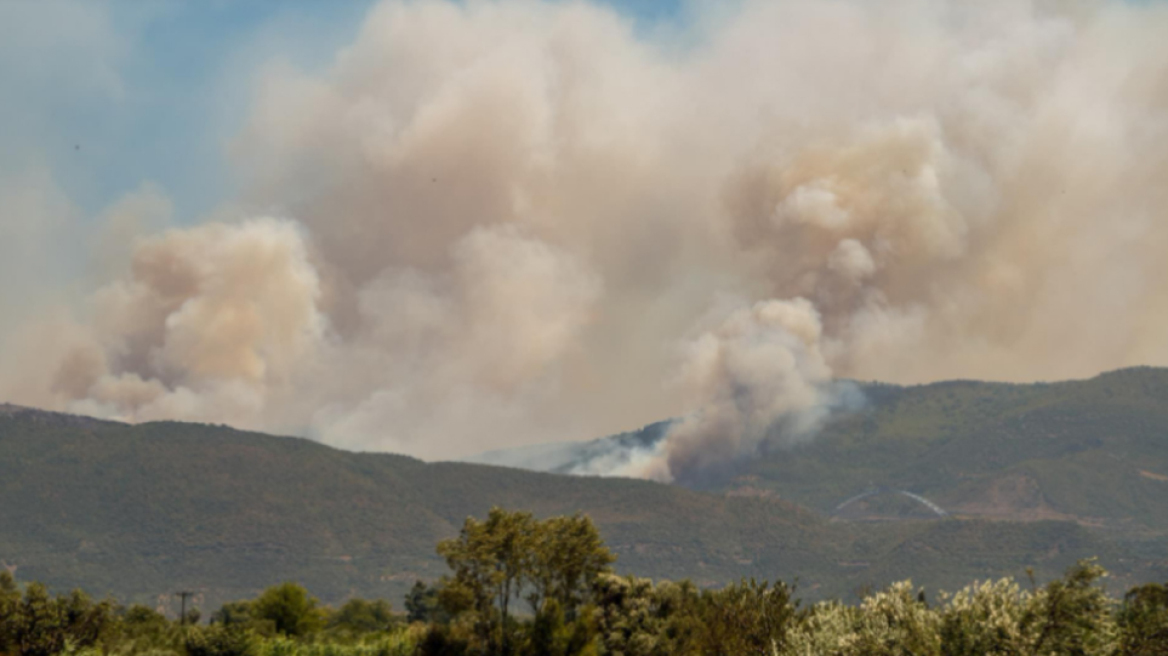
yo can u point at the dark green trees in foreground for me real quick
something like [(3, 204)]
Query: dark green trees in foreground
[(39, 624), (576, 605), (526, 587)]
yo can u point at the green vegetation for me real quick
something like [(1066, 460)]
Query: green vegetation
[(579, 607), (142, 511), (556, 562), (37, 624), (1093, 451)]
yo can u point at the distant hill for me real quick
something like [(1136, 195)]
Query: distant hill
[(143, 510), (1093, 451)]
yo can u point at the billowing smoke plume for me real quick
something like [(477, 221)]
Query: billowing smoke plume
[(760, 376), (515, 222)]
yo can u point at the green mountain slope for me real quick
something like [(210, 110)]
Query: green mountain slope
[(141, 511), (1092, 451)]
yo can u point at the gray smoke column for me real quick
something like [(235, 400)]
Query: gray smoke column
[(489, 224)]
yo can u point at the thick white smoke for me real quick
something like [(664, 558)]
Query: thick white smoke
[(758, 375), (505, 220)]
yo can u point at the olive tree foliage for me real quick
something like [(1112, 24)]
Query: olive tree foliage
[(897, 622), (634, 617), (1071, 616), (825, 629), (987, 619), (892, 622), (746, 618)]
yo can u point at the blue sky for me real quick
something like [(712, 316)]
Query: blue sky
[(105, 96)]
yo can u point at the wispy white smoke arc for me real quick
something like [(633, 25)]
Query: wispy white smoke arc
[(505, 217)]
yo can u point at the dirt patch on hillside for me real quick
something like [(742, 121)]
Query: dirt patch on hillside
[(1016, 497), (752, 492)]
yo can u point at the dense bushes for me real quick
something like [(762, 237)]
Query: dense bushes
[(577, 607), (36, 623)]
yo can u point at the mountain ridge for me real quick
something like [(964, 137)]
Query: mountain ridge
[(139, 510)]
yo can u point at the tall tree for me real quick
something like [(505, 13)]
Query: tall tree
[(9, 599), (422, 605), (490, 560), (567, 558), (363, 616), (1143, 618), (40, 625), (290, 608)]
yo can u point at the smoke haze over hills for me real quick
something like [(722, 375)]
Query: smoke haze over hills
[(489, 224)]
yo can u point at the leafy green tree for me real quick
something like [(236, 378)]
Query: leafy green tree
[(568, 555), (9, 598), (220, 640), (636, 618), (192, 617), (363, 616), (290, 609), (896, 622), (422, 605), (826, 628), (39, 624), (36, 626), (142, 615), (746, 618), (143, 629), (556, 562), (1143, 621), (233, 613), (443, 640), (985, 619), (490, 560), (8, 588), (85, 621), (551, 635), (1072, 615)]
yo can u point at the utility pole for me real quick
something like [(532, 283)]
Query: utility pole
[(182, 595)]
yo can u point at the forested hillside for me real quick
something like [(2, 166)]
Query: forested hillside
[(1093, 452), (144, 510)]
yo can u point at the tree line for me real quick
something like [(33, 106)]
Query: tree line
[(520, 586)]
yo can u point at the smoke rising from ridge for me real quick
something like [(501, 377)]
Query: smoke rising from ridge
[(515, 222)]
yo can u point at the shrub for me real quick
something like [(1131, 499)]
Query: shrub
[(219, 640)]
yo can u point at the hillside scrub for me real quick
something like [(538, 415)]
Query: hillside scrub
[(230, 513), (576, 606)]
